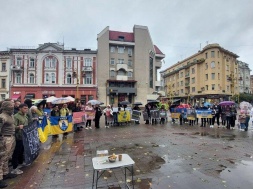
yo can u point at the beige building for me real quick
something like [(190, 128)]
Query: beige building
[(127, 66), (4, 75), (210, 74)]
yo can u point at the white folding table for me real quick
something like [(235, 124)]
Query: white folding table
[(102, 163)]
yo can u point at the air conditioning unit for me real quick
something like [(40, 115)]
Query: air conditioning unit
[(13, 66)]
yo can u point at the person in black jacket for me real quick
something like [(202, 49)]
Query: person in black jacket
[(98, 114), (147, 109), (217, 109)]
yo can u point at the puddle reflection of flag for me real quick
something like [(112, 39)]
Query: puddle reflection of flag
[(44, 129)]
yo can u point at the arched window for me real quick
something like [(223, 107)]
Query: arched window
[(69, 78), (18, 78), (53, 78), (121, 72), (31, 78)]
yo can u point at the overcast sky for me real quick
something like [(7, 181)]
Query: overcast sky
[(177, 27)]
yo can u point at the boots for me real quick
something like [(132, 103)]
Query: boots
[(9, 176), (3, 184)]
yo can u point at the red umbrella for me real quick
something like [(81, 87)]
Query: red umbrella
[(184, 106)]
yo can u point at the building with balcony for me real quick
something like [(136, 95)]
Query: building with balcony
[(251, 84), (51, 70), (210, 74), (127, 65), (4, 75), (244, 75)]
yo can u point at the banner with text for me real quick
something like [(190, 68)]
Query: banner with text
[(78, 117), (204, 113), (31, 142)]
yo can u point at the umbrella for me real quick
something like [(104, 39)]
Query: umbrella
[(71, 98), (207, 104), (39, 102), (61, 100), (51, 98), (246, 105), (94, 102), (153, 101), (137, 103), (226, 103), (124, 103), (184, 106)]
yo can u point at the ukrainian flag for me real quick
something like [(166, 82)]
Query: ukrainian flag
[(44, 129), (61, 125)]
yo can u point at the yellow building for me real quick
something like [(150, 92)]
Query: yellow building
[(209, 75)]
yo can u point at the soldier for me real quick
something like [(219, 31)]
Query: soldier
[(20, 121), (7, 140)]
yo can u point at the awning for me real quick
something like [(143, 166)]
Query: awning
[(152, 97), (15, 96)]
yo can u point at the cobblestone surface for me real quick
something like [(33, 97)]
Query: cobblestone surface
[(166, 156)]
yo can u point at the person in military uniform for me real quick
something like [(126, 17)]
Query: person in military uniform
[(7, 140), (20, 121)]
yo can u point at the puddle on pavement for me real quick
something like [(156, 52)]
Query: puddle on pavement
[(223, 136), (204, 133), (240, 175)]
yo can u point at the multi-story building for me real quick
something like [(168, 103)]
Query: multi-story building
[(127, 65), (51, 70), (244, 75), (210, 74), (4, 75), (251, 84)]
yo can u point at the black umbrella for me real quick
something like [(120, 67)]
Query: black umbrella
[(153, 101), (124, 103), (137, 103), (40, 102)]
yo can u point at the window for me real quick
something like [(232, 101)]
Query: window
[(112, 73), (31, 78), (181, 74), (87, 78), (88, 62), (206, 76), (213, 86), (68, 63), (69, 78), (213, 64), (47, 77), (212, 54), (3, 96), (177, 84), (130, 63), (53, 77), (181, 83), (18, 78), (31, 63), (227, 88), (206, 66), (213, 76), (207, 87), (53, 62), (218, 75), (3, 83), (121, 61), (193, 70), (218, 54), (206, 55), (193, 89), (112, 49), (120, 50), (182, 91), (193, 80), (19, 61), (151, 72), (130, 51), (227, 67), (130, 74), (3, 67), (47, 63), (112, 61), (121, 72), (90, 97)]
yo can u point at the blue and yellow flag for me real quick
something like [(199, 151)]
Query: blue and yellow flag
[(61, 125), (44, 129), (124, 116)]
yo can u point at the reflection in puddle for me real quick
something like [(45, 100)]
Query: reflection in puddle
[(239, 176)]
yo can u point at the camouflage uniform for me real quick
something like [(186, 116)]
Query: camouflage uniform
[(7, 138)]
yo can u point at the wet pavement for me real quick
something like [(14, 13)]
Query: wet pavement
[(166, 156)]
